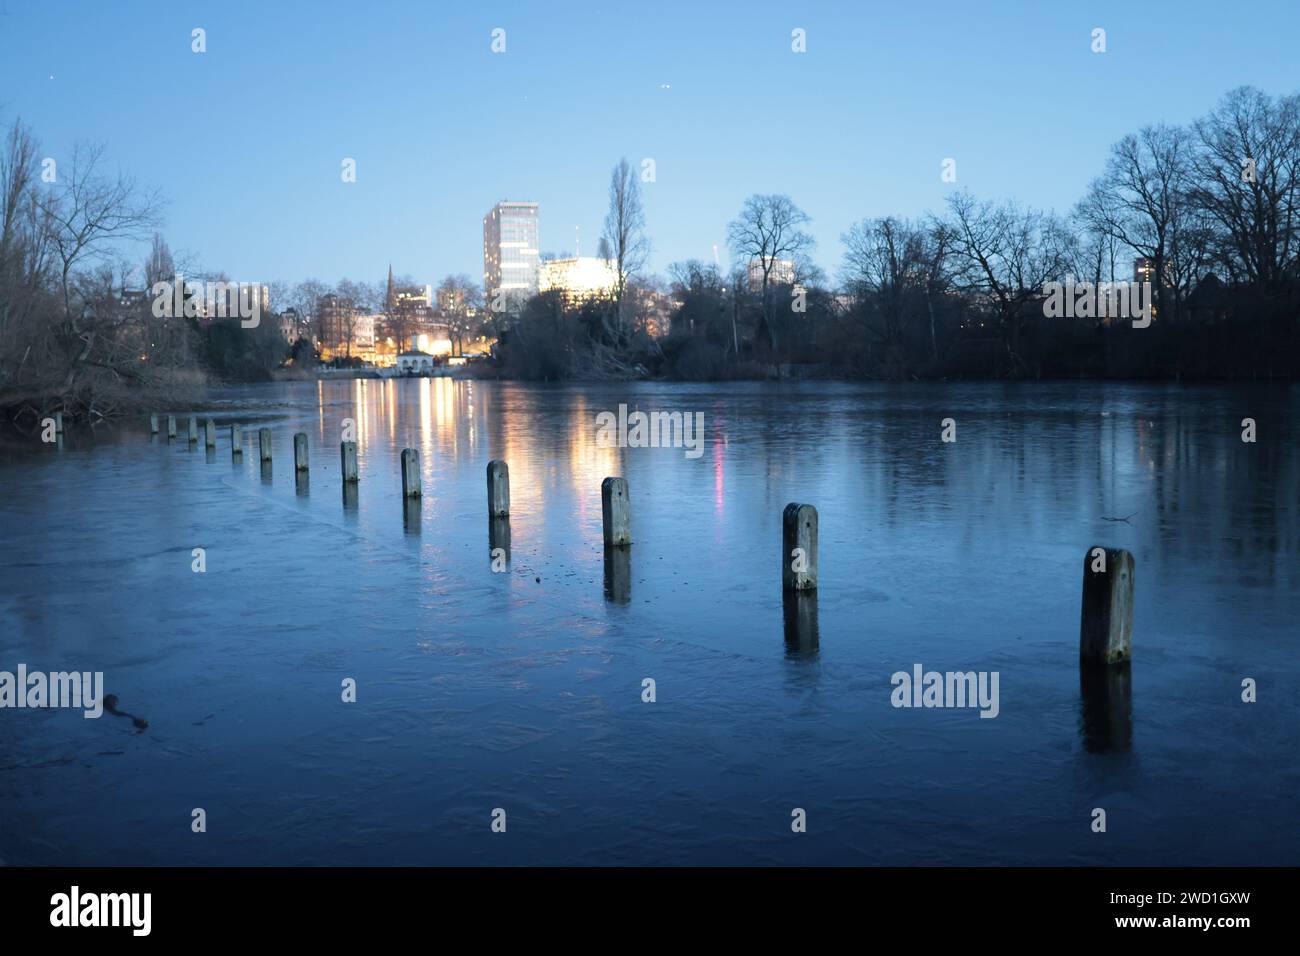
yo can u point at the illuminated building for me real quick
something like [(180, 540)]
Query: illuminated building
[(580, 279), (343, 330), (409, 319), (510, 251), (1144, 270)]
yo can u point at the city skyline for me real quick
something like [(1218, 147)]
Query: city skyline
[(479, 126)]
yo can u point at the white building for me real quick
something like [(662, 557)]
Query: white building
[(363, 336), (511, 250), (780, 272), (414, 363), (579, 278)]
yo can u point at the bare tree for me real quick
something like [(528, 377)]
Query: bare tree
[(895, 268), (67, 235), (25, 257), (624, 243), (305, 299), (1141, 200), (460, 300), (91, 212), (354, 299), (769, 231), (938, 276), (1247, 180), (1005, 255)]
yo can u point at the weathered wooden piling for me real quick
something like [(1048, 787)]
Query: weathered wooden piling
[(264, 443), (799, 548), (499, 538), (410, 473), (348, 456), (799, 611), (618, 575), (300, 452), (153, 424), (498, 488), (1106, 622), (411, 510), (194, 430), (236, 441), (616, 512), (1106, 696), (171, 426), (210, 434)]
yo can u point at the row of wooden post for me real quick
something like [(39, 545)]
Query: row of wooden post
[(1106, 620), (498, 473), (209, 429)]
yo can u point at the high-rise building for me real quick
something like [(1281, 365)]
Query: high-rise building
[(510, 251)]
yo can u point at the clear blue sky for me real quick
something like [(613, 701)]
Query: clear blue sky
[(246, 140)]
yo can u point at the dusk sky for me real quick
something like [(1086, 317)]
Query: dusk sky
[(246, 140)]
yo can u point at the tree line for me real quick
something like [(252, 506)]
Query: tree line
[(79, 329), (1212, 207)]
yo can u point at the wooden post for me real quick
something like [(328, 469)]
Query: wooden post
[(616, 512), (153, 424), (498, 485), (1106, 624), (799, 609), (236, 441), (1106, 696), (618, 575), (210, 433), (799, 548), (411, 507), (348, 455), (171, 426), (264, 442), (410, 473), (194, 430), (300, 451), (499, 538)]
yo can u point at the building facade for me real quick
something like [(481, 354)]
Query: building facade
[(780, 272), (511, 251), (580, 279), (343, 330)]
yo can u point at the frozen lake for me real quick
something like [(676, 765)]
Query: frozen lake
[(522, 690)]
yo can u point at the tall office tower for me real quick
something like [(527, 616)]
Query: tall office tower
[(510, 252)]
